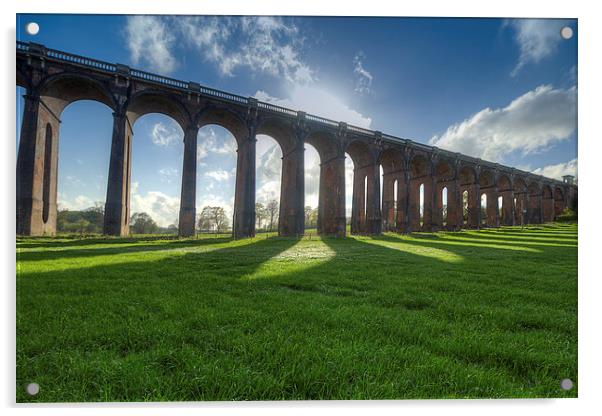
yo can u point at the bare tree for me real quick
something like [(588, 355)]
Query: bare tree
[(213, 218), (260, 213), (272, 209)]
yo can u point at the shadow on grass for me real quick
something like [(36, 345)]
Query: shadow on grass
[(389, 298), (53, 251)]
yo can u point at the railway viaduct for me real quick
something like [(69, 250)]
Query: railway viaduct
[(53, 79)]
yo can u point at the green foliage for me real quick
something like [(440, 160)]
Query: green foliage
[(567, 215), (261, 214), (473, 314), (212, 219), (272, 213), (142, 223), (311, 217), (88, 221)]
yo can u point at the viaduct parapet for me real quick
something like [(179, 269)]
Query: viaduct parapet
[(54, 79)]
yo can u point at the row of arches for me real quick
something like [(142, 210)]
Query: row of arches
[(395, 189)]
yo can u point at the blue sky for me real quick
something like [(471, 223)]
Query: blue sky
[(504, 90)]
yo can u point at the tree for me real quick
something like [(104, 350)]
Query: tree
[(272, 210), (308, 211), (142, 223), (82, 226), (213, 218), (260, 213)]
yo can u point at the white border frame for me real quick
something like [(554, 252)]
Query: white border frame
[(589, 69)]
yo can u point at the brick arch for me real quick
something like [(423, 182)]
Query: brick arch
[(445, 215), (224, 117), (331, 199), (60, 90), (281, 131), (467, 175), (503, 182), (361, 154), (559, 201), (486, 178), (505, 190), (392, 160), (468, 183), (326, 143), (393, 209), (160, 102), (419, 165), (291, 218), (547, 205), (534, 202), (444, 170), (366, 188), (520, 200)]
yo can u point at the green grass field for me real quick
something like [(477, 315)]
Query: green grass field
[(474, 314)]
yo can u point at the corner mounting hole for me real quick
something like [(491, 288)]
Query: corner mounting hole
[(566, 32), (32, 389), (32, 28), (566, 384)]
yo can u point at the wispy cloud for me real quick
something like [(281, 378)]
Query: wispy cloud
[(166, 134), (210, 141), (532, 122), (151, 43), (218, 175), (536, 38), (364, 78)]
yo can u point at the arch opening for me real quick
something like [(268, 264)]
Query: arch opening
[(270, 209), (47, 172), (84, 151), (312, 188), (444, 205), (216, 179), (483, 208)]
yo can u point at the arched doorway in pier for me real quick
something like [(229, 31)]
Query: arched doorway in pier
[(393, 184), (312, 188), (78, 107), (470, 196)]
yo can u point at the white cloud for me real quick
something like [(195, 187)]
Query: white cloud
[(312, 176), (164, 209), (364, 78), (166, 134), (559, 170), (269, 169), (537, 39), (317, 101), (79, 203), (218, 142), (532, 122), (212, 200), (218, 175), (150, 42), (263, 44)]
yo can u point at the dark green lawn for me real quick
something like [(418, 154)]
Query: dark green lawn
[(489, 313)]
